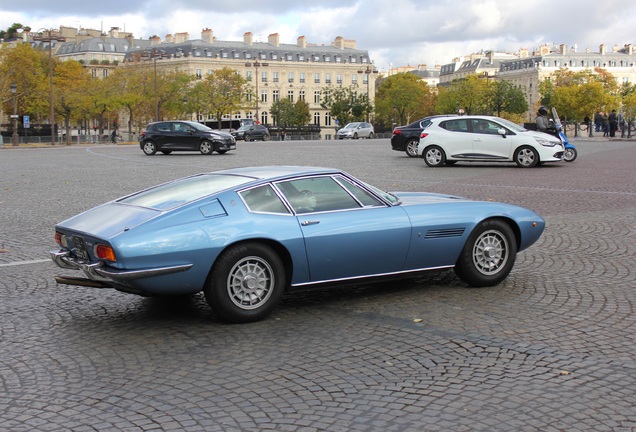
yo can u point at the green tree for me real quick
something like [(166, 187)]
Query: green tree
[(225, 92), (71, 84), (504, 97), (402, 97), (469, 94), (345, 104), (288, 114)]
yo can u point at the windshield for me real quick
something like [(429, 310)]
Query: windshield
[(199, 126), (510, 125), (386, 195), (351, 126), (176, 193)]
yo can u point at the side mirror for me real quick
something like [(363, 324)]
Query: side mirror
[(502, 132)]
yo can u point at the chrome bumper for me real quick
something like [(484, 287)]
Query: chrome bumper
[(98, 272)]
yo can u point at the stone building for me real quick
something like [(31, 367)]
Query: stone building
[(276, 70)]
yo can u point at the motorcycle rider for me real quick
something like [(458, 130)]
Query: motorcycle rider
[(542, 119)]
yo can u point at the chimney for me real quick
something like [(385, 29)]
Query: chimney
[(523, 52), (273, 39), (544, 49), (247, 38), (131, 40), (169, 38), (155, 40), (563, 49), (301, 42), (207, 35), (181, 37), (629, 49), (339, 42), (602, 49), (114, 32)]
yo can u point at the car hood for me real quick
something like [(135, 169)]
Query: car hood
[(409, 198), (220, 133), (543, 135), (108, 220)]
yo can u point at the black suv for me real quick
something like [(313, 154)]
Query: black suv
[(251, 132), (406, 138), (169, 136)]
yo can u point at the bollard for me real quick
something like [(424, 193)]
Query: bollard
[(590, 129)]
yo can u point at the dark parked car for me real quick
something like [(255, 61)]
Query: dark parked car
[(251, 132), (406, 138), (169, 136)]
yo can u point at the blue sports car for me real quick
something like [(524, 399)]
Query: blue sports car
[(244, 236)]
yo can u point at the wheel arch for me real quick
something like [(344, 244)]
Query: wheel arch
[(510, 222)]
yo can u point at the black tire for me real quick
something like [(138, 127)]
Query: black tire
[(266, 137), (247, 137), (355, 135), (370, 135), (206, 147), (526, 157), (246, 283), (488, 255), (149, 148), (166, 152), (434, 156), (411, 147), (221, 151), (570, 154)]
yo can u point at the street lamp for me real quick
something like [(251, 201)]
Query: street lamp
[(256, 65), (52, 35), (14, 117), (367, 71), (155, 54)]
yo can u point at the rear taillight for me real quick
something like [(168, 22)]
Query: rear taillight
[(396, 131), (60, 239), (105, 252), (423, 135)]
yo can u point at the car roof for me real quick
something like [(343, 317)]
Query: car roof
[(275, 172)]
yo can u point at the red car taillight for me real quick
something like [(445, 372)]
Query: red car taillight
[(396, 131), (423, 135), (105, 252)]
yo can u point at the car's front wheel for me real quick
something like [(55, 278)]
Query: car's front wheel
[(355, 135), (526, 157), (434, 156), (246, 283), (411, 147), (488, 255), (206, 147), (149, 148)]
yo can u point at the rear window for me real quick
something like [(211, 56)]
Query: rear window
[(179, 192)]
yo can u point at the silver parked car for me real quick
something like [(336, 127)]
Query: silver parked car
[(356, 130)]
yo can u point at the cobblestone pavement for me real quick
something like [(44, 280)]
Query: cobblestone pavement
[(552, 348)]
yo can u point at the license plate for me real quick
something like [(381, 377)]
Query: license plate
[(80, 248)]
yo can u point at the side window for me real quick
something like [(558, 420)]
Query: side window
[(485, 127), (317, 194), (459, 125), (365, 198), (263, 199), (163, 127)]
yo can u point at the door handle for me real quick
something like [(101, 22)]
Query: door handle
[(309, 222)]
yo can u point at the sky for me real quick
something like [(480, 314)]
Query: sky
[(395, 32)]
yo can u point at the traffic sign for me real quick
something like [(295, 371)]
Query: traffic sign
[(26, 122)]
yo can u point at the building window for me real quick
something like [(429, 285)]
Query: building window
[(317, 118), (317, 78), (264, 119), (327, 58), (301, 95), (365, 78), (317, 96), (199, 73), (302, 77), (263, 76), (354, 79), (327, 119), (248, 75), (264, 96), (104, 73), (290, 57), (274, 56), (328, 78), (352, 59), (275, 77), (290, 95), (275, 95), (339, 79), (248, 55), (290, 77)]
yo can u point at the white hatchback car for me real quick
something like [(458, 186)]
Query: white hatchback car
[(486, 139)]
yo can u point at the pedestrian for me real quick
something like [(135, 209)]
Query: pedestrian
[(542, 119), (598, 121), (613, 123), (605, 124), (113, 136), (621, 122)]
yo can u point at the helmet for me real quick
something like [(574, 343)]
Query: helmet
[(543, 110)]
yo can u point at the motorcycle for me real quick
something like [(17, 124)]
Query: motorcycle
[(570, 153)]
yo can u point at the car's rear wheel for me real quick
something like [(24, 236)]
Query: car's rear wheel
[(266, 137), (149, 148), (488, 255), (166, 151), (411, 147), (371, 135), (434, 156), (246, 283), (206, 147), (526, 157), (247, 137)]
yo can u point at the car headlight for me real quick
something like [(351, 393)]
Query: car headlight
[(545, 142)]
